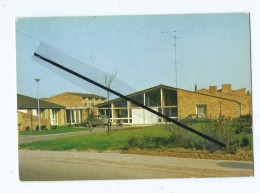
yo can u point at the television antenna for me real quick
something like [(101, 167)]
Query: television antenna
[(175, 34)]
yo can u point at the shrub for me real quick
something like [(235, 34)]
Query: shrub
[(43, 127), (179, 137), (221, 130), (245, 141), (133, 142), (243, 124), (161, 141), (54, 127), (200, 145), (144, 142), (27, 129)]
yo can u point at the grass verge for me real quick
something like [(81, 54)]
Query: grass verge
[(118, 140), (98, 141)]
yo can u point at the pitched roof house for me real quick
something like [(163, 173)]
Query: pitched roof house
[(27, 107), (78, 106)]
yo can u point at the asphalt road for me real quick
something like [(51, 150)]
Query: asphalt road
[(73, 165), (32, 138)]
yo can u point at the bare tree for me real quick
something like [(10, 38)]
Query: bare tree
[(108, 81)]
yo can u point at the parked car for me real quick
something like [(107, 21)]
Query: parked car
[(99, 120), (194, 118)]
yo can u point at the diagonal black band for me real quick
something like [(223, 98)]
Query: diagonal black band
[(131, 100)]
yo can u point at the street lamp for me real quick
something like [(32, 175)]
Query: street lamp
[(39, 114)]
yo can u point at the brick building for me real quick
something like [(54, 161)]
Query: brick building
[(178, 103), (238, 95), (78, 106), (27, 107)]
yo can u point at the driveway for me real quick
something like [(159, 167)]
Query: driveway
[(73, 165)]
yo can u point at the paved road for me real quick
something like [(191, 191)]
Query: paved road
[(31, 138), (73, 165)]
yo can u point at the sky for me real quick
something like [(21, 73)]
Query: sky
[(211, 49)]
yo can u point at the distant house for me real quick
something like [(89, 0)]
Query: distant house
[(78, 106), (177, 103), (27, 107)]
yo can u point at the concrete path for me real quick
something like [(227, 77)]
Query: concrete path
[(73, 165)]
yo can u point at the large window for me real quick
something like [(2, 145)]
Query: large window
[(105, 111), (170, 97), (71, 116), (120, 103), (201, 109), (153, 98), (138, 98), (171, 112), (121, 113)]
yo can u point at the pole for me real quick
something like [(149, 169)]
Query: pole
[(173, 34), (39, 113), (175, 60)]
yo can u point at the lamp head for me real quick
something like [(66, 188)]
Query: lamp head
[(37, 79)]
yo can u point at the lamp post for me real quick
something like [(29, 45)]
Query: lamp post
[(39, 113)]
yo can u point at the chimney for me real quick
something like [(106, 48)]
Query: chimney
[(196, 88), (226, 88), (212, 89)]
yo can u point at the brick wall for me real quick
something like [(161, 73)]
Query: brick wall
[(245, 100), (237, 95), (30, 121), (67, 99), (73, 101), (187, 102)]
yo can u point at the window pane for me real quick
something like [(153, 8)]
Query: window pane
[(153, 98), (201, 109), (170, 97)]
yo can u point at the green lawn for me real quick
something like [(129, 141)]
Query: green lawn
[(98, 141), (117, 140), (60, 129)]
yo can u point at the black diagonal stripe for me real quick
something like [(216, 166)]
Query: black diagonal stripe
[(131, 100)]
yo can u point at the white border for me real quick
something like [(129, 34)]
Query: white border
[(10, 9)]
